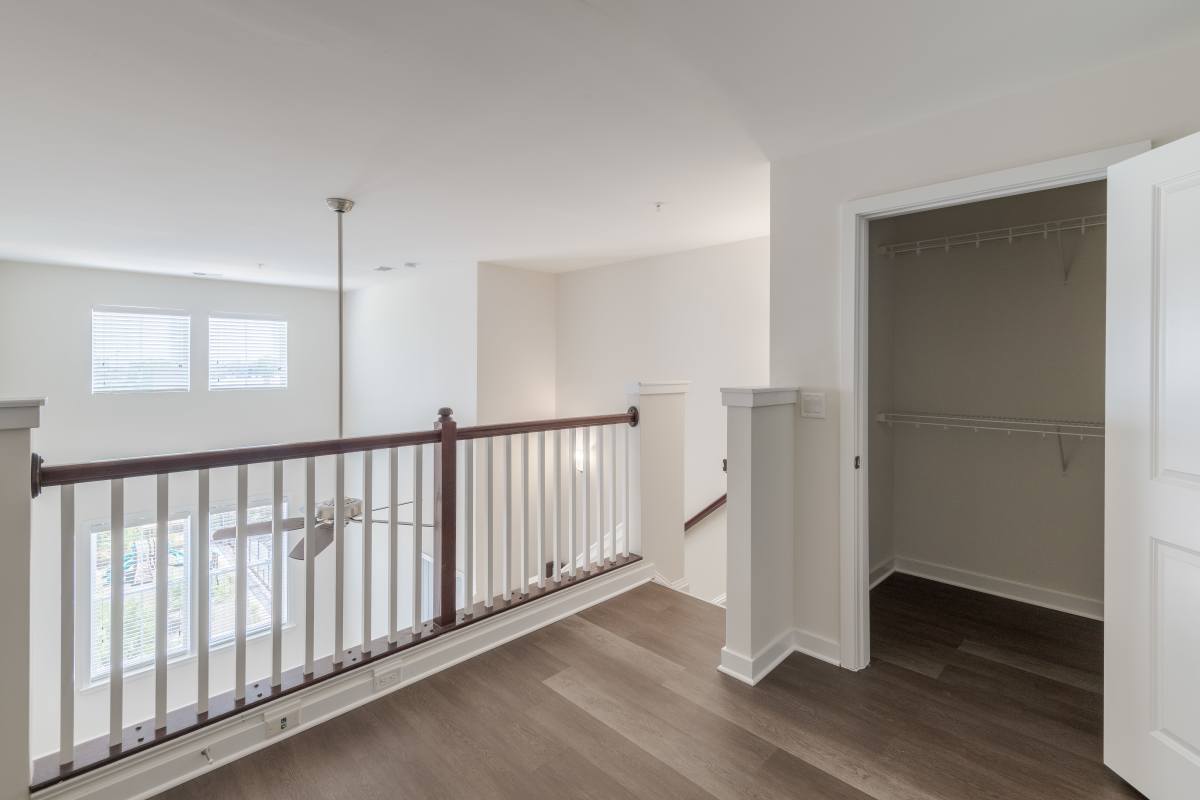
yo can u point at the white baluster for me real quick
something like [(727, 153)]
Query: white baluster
[(573, 528), (506, 552), (161, 560), (202, 592), (66, 708), (116, 613), (489, 589), (625, 545), (612, 459), (339, 559), (277, 544), (393, 541), (541, 505), (587, 499), (418, 535), (310, 562), (600, 495), (557, 505), (368, 544), (525, 551), (469, 530), (240, 595)]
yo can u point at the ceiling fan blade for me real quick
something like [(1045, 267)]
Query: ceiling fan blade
[(257, 529), (253, 529), (323, 535)]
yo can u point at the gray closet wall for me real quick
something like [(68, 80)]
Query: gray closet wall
[(991, 331)]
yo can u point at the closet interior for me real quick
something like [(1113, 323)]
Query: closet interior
[(986, 350)]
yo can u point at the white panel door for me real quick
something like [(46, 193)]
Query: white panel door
[(1152, 473)]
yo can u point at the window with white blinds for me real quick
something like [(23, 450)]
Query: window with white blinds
[(140, 350), (247, 353), (138, 565)]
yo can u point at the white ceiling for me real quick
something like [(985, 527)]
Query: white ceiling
[(186, 136)]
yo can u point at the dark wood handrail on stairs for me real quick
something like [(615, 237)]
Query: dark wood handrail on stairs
[(704, 512)]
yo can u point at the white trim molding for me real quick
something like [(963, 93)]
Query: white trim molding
[(159, 768), (20, 412), (758, 396), (659, 387), (752, 669), (882, 571), (680, 585), (1079, 605), (853, 260)]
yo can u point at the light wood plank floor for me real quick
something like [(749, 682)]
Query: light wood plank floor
[(968, 696)]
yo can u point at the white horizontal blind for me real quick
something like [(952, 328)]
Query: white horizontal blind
[(140, 351), (139, 567), (247, 353)]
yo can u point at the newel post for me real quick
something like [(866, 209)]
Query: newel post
[(760, 531), (445, 506), (657, 482), (17, 487)]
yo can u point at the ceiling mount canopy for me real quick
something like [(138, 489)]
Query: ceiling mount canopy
[(339, 204)]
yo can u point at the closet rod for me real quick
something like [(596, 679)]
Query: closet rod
[(1046, 427), (1043, 229)]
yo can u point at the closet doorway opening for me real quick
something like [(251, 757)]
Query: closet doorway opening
[(973, 381), (985, 388)]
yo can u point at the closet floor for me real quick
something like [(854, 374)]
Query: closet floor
[(999, 694)]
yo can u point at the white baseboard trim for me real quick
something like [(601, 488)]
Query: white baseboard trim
[(155, 770), (817, 646), (680, 585), (1002, 587), (882, 571), (750, 670)]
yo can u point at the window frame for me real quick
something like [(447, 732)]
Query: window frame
[(252, 504), (84, 587), (155, 311), (233, 317)]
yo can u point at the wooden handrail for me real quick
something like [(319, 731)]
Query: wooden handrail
[(65, 474), (630, 418), (704, 512)]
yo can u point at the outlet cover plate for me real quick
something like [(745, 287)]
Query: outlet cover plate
[(387, 678), (283, 719)]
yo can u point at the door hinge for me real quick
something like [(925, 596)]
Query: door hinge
[(857, 462)]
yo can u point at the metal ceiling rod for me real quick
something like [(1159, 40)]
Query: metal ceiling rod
[(340, 206)]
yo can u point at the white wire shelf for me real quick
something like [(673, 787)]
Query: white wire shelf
[(1073, 428), (975, 239)]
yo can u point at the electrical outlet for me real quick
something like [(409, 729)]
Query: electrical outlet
[(282, 720), (388, 678)]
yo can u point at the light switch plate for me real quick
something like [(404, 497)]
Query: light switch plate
[(812, 405)]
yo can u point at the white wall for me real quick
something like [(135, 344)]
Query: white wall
[(1128, 102), (516, 344), (700, 316), (45, 347), (411, 349), (991, 331)]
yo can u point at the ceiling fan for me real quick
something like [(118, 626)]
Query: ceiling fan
[(324, 513)]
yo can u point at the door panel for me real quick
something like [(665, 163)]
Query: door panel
[(1152, 473)]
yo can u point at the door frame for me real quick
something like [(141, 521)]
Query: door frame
[(853, 267)]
